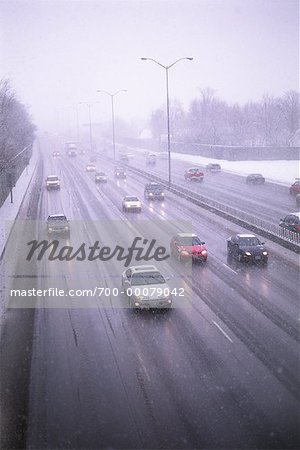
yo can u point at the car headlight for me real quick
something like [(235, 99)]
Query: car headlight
[(247, 253), (265, 253), (150, 193), (162, 194), (66, 228), (204, 252), (184, 252)]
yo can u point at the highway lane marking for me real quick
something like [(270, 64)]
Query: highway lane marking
[(225, 265), (222, 331), (144, 368)]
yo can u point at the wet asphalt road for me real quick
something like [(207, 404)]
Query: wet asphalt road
[(222, 371)]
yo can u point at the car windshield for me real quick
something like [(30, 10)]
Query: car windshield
[(194, 170), (154, 187), (131, 199), (120, 170), (189, 240), (57, 218), (248, 241), (140, 279), (52, 178), (100, 174)]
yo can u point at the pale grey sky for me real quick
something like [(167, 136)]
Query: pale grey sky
[(59, 52)]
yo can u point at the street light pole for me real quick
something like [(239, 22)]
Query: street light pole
[(90, 119), (90, 123), (168, 103), (113, 116), (168, 125), (77, 124), (113, 125)]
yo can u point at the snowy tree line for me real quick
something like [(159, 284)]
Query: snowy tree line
[(271, 122), (17, 132)]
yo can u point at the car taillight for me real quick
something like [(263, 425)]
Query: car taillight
[(298, 228)]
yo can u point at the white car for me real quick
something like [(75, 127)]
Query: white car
[(100, 177), (146, 287), (131, 203), (90, 168)]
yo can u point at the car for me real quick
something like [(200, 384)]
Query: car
[(52, 182), (188, 247), (55, 154), (72, 153), (246, 248), (295, 188), (255, 178), (213, 167), (193, 174), (131, 203), (151, 159), (58, 224), (124, 158), (154, 191), (291, 222), (90, 167), (100, 177), (120, 172), (298, 199), (146, 287)]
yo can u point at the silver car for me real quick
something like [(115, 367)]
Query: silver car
[(146, 288)]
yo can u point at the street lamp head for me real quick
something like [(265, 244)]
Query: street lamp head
[(144, 59), (189, 58)]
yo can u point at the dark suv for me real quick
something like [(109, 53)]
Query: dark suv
[(154, 191), (247, 248), (255, 178), (213, 167), (291, 222)]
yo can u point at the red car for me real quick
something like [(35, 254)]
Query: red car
[(295, 188), (188, 246), (193, 174)]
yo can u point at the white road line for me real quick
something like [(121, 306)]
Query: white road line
[(222, 331), (225, 265), (144, 368)]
